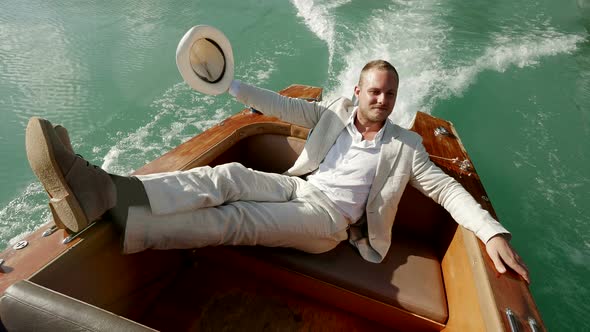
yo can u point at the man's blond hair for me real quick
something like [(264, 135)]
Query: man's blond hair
[(380, 65)]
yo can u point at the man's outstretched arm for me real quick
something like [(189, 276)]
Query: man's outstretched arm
[(446, 191)]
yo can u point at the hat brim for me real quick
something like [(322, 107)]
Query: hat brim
[(218, 85)]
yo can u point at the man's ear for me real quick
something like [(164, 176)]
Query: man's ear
[(357, 90)]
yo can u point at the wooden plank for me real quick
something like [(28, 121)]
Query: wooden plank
[(465, 311), (21, 264)]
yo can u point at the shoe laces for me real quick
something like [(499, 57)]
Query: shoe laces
[(87, 163)]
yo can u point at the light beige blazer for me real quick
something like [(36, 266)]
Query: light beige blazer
[(403, 159)]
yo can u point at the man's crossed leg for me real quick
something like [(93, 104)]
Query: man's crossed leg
[(225, 205)]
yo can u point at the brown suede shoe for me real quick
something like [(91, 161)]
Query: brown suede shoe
[(79, 192), (64, 137)]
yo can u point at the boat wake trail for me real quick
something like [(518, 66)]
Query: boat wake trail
[(411, 37), (318, 17), (179, 115), (505, 52), (417, 40)]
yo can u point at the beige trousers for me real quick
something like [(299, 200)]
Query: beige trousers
[(232, 205)]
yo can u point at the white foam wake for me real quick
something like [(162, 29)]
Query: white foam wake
[(506, 51), (414, 39), (318, 17), (23, 214), (180, 114)]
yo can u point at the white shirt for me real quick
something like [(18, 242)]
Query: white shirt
[(347, 172)]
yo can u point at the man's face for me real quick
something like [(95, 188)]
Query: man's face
[(376, 96)]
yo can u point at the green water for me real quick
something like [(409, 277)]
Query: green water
[(514, 78)]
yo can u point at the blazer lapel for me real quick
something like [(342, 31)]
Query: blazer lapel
[(336, 125), (387, 158), (321, 138)]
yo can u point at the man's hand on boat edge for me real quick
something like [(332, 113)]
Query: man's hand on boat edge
[(501, 252)]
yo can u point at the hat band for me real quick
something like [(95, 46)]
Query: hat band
[(222, 70)]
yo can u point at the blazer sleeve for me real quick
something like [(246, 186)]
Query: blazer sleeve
[(446, 191), (293, 110)]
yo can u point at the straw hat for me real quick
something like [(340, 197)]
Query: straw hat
[(205, 60)]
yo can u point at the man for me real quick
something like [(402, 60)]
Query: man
[(358, 163)]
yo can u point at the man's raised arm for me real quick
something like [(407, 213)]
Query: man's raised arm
[(293, 110)]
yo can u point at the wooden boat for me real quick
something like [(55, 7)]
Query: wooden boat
[(436, 276)]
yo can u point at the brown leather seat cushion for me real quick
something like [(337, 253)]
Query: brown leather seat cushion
[(410, 277)]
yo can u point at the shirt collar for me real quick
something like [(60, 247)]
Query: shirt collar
[(356, 135)]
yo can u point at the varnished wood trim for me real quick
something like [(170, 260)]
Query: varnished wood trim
[(237, 135), (465, 311), (21, 264), (484, 290)]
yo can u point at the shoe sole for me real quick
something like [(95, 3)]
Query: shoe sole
[(63, 204)]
